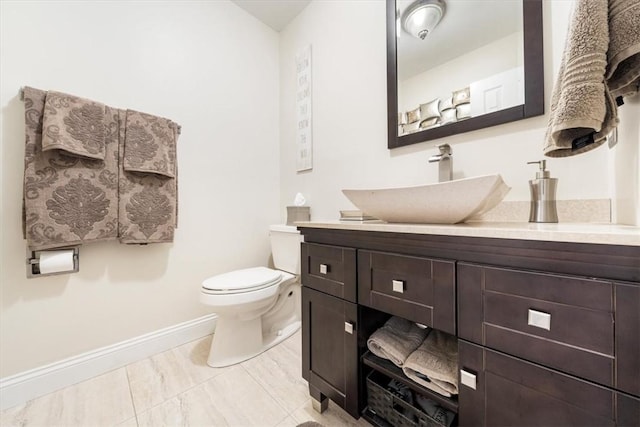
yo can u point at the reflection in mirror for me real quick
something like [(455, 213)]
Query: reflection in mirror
[(460, 65), (464, 67)]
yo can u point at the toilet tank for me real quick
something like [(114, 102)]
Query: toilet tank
[(285, 247)]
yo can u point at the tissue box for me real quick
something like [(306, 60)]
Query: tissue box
[(298, 213)]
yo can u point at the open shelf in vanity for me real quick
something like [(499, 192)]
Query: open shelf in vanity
[(391, 371)]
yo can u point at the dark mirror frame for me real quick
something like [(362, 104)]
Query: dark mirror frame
[(533, 83)]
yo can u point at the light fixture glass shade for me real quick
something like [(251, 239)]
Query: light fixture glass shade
[(420, 18)]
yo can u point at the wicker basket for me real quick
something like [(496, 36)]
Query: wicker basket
[(392, 408)]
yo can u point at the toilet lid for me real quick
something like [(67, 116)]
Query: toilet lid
[(248, 279)]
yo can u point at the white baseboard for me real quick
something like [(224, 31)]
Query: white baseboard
[(20, 388)]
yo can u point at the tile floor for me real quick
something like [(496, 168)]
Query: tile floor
[(177, 388)]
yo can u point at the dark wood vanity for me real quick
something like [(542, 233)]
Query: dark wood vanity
[(576, 363)]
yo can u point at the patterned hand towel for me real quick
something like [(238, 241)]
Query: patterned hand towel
[(68, 200), (623, 69), (583, 111), (75, 125), (435, 364), (148, 202), (150, 144), (396, 340)]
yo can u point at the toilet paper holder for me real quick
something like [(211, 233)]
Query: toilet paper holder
[(33, 262)]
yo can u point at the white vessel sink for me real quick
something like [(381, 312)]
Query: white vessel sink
[(448, 202)]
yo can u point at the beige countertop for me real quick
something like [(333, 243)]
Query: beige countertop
[(608, 234)]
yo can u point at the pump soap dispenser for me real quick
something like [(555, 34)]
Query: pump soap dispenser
[(543, 195)]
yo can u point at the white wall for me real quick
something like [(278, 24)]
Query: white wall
[(349, 121), (207, 65)]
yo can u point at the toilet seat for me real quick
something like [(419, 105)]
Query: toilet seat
[(241, 281)]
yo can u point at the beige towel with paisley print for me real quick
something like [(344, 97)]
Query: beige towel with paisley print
[(68, 200), (148, 185), (150, 144), (73, 124)]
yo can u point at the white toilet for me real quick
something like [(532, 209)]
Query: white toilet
[(257, 307)]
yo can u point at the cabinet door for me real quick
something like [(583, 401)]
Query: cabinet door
[(497, 389), (628, 338), (330, 348)]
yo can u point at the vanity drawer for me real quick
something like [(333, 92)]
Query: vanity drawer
[(418, 289), (562, 322), (497, 389), (329, 269)]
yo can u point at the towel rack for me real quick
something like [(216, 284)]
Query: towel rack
[(21, 94)]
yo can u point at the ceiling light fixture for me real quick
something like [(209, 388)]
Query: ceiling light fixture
[(422, 16)]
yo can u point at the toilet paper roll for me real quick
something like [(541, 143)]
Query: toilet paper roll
[(56, 261)]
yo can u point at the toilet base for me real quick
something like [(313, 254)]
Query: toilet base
[(235, 341)]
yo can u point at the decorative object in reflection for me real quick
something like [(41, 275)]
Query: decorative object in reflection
[(435, 113), (447, 103), (413, 116), (430, 109), (411, 127), (430, 123), (461, 96), (402, 120), (448, 116), (463, 111), (422, 16)]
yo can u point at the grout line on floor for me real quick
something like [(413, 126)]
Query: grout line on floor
[(133, 403), (275, 399)]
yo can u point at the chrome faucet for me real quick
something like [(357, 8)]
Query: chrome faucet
[(445, 163)]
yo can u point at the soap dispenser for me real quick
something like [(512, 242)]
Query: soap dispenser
[(543, 195)]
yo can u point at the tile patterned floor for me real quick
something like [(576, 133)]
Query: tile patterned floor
[(177, 388)]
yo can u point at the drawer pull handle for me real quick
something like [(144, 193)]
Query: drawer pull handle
[(324, 268), (398, 286), (539, 319), (348, 327), (468, 379)]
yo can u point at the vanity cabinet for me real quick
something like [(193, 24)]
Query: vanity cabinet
[(548, 332), (329, 325)]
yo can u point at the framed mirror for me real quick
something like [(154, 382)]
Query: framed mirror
[(480, 65)]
